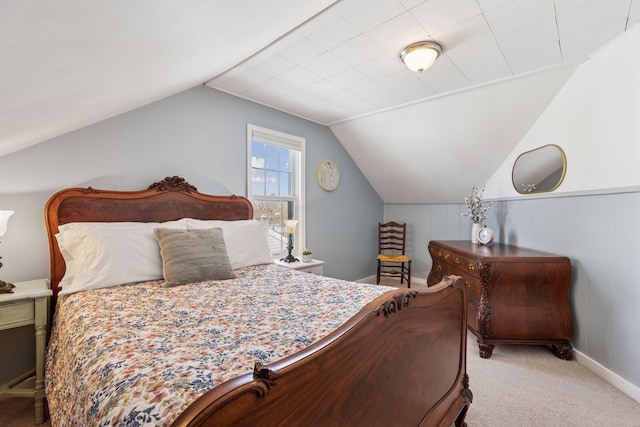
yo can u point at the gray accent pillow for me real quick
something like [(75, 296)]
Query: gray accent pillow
[(190, 256)]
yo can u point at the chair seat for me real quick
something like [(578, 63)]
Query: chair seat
[(393, 258)]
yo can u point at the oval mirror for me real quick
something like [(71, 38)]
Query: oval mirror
[(540, 170)]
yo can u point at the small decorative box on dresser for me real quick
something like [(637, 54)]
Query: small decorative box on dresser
[(516, 295), (27, 305), (314, 266)]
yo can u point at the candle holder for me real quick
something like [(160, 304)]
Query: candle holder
[(290, 258), (290, 228)]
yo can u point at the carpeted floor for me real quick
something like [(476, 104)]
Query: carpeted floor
[(529, 386), (18, 412), (518, 386)]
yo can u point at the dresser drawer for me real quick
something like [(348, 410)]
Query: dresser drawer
[(460, 263), (17, 313), (441, 269), (465, 265), (473, 287)]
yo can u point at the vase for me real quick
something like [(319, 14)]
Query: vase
[(306, 258), (475, 227)]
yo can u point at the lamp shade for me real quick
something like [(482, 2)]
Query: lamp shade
[(421, 55), (4, 219), (290, 226)]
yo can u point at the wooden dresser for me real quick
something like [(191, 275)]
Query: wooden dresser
[(516, 295)]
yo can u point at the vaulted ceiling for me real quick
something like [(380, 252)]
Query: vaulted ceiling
[(345, 62), (70, 63)]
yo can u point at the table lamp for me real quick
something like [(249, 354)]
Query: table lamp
[(290, 229)]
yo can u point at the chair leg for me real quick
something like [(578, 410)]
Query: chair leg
[(378, 276), (402, 274), (409, 276)]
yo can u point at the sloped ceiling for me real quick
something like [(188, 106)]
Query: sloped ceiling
[(345, 62), (70, 63), (417, 138), (428, 138), (434, 151)]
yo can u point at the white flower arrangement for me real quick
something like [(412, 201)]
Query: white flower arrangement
[(477, 214)]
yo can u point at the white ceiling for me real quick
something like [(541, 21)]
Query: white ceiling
[(436, 150), (70, 63), (428, 138), (345, 63)]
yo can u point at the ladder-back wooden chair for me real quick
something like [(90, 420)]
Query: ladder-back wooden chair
[(392, 261)]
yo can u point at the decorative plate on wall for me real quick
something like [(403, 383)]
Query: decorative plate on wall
[(328, 175)]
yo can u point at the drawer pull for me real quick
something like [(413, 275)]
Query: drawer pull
[(471, 267), (439, 268), (457, 260)]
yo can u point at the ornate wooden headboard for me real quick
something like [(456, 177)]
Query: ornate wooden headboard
[(167, 200)]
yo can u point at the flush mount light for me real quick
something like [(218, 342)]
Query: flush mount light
[(421, 55)]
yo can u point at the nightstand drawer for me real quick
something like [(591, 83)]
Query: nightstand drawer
[(15, 314), (314, 266), (314, 270)]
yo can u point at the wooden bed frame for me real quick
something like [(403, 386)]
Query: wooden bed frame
[(400, 361)]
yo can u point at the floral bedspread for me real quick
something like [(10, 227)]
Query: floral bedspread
[(139, 354)]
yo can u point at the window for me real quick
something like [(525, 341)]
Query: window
[(276, 184)]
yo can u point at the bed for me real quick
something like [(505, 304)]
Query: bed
[(269, 346)]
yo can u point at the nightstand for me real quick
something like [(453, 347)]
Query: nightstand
[(314, 266), (28, 305)]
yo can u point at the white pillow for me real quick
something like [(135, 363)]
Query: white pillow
[(99, 255), (246, 240)]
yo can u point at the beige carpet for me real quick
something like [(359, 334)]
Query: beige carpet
[(529, 386), (523, 385), (518, 386)]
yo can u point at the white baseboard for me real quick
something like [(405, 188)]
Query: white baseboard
[(609, 376)]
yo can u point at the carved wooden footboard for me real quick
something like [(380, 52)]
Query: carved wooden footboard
[(401, 361)]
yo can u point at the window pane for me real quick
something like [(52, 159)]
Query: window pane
[(272, 183), (285, 160), (285, 184), (257, 182), (257, 155), (271, 156), (274, 214)]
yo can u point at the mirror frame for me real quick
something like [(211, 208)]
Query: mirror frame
[(564, 170)]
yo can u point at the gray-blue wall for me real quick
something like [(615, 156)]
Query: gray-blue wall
[(600, 236), (199, 134)]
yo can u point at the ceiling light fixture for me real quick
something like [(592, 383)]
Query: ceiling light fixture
[(421, 55)]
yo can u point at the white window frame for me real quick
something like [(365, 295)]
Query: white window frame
[(291, 142)]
